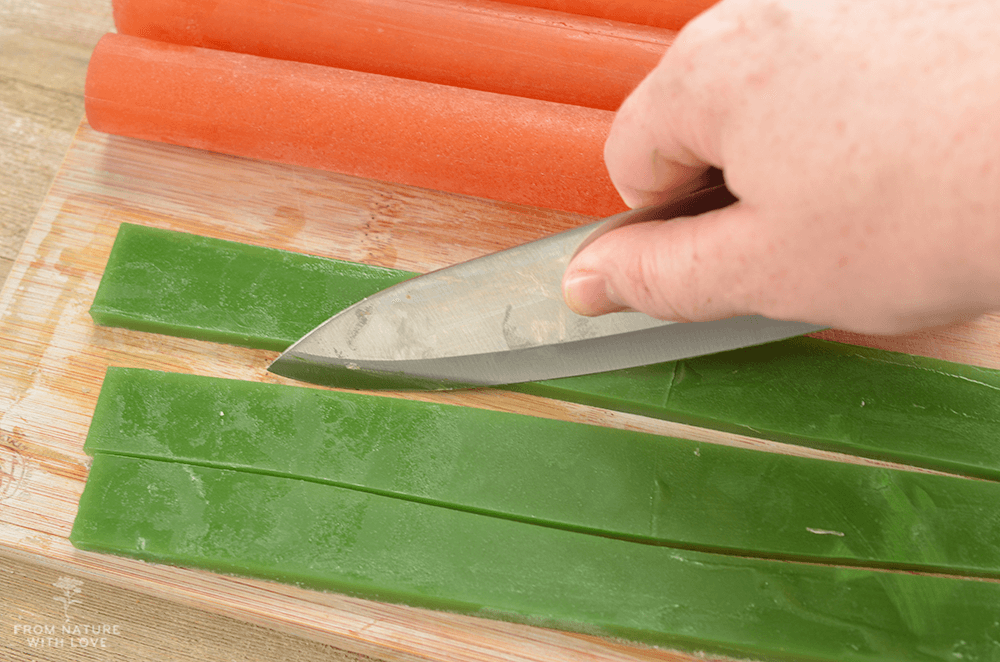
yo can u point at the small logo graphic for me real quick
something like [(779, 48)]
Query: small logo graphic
[(70, 586), (68, 634)]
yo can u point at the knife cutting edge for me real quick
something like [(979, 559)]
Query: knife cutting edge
[(501, 319)]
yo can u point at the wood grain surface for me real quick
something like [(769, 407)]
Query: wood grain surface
[(44, 49), (55, 357), (127, 625)]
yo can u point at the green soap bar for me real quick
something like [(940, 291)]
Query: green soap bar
[(330, 538), (611, 482), (805, 391), (185, 285), (856, 400)]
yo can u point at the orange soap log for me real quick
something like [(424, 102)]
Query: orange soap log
[(411, 132), (667, 14), (478, 44)]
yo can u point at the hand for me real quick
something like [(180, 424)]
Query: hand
[(863, 142)]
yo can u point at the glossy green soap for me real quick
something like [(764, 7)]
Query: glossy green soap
[(805, 391), (330, 538), (855, 400), (615, 483), (185, 285)]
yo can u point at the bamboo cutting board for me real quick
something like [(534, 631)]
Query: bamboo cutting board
[(54, 360)]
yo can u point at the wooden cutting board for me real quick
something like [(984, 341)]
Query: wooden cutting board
[(54, 360)]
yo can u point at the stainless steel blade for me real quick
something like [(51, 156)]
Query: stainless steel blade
[(501, 319)]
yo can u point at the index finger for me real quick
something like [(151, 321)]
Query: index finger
[(659, 145)]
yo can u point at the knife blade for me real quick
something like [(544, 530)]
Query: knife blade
[(501, 319)]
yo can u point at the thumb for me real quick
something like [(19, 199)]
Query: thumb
[(685, 269)]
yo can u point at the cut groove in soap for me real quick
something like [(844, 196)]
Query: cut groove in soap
[(609, 482), (376, 547)]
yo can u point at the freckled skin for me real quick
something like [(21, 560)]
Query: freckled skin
[(861, 141)]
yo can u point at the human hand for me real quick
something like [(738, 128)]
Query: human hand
[(863, 142)]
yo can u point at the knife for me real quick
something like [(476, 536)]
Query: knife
[(501, 319)]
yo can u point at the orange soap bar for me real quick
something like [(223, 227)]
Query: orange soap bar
[(447, 138), (669, 14), (479, 44)]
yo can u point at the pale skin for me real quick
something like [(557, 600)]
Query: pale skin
[(863, 142)]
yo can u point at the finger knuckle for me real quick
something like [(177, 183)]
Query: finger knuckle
[(662, 284)]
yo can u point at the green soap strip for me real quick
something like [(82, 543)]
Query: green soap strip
[(189, 286), (330, 538), (587, 478), (805, 391), (810, 392)]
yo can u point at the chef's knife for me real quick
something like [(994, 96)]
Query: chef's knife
[(501, 319)]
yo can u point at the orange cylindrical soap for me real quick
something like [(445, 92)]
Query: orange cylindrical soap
[(453, 139), (668, 14), (478, 44)]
